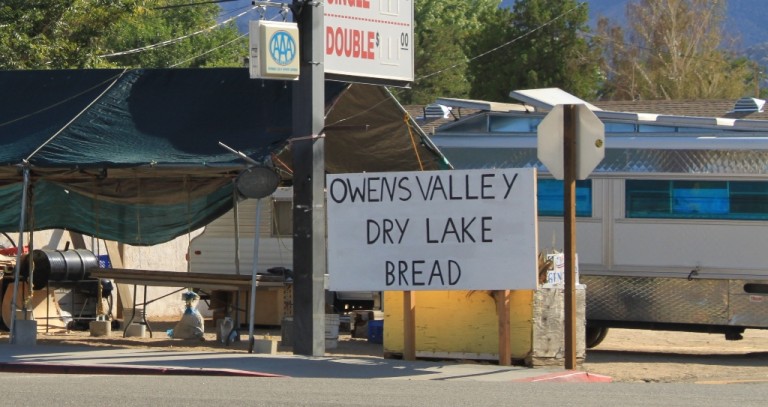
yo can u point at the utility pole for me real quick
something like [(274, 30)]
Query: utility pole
[(308, 155)]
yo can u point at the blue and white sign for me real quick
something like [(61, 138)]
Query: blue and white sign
[(282, 48), (274, 50)]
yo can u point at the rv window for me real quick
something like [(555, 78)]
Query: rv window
[(749, 200), (697, 199), (708, 198), (550, 197), (282, 219), (620, 128), (502, 124)]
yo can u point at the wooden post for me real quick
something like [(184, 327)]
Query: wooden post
[(502, 310), (124, 293), (569, 221), (409, 325)]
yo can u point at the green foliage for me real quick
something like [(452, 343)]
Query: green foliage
[(51, 34), (544, 48), (443, 66), (442, 30)]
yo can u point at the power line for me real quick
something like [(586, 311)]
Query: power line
[(217, 47), (209, 51), (175, 40), (65, 100), (504, 44), (644, 48), (191, 4)]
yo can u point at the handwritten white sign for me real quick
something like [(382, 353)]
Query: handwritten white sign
[(432, 230)]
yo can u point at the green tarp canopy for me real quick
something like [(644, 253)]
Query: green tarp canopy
[(134, 155)]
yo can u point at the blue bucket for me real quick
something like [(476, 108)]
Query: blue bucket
[(376, 331)]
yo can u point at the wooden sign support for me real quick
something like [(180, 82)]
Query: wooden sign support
[(502, 310), (409, 325)]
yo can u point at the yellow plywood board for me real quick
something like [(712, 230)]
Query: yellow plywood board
[(459, 322)]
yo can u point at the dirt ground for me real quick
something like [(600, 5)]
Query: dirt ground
[(657, 356), (624, 355)]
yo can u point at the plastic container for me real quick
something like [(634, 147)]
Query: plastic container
[(331, 331), (376, 331)]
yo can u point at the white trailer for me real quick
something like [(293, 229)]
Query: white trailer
[(672, 226), (226, 247)]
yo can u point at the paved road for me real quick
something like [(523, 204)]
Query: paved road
[(136, 390)]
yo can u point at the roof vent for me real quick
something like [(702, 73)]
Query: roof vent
[(745, 105), (436, 111)]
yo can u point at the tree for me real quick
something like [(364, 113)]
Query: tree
[(42, 34), (442, 30), (539, 43), (671, 51), (441, 67)]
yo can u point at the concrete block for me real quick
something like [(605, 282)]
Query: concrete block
[(136, 330), (549, 326), (100, 328), (267, 346), (25, 332), (286, 332)]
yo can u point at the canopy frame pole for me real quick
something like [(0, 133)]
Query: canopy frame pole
[(19, 251), (254, 283)]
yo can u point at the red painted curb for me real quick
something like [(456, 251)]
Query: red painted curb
[(61, 368), (568, 376)]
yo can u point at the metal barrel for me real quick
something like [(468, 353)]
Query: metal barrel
[(61, 265)]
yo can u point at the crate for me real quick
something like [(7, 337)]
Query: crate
[(376, 331)]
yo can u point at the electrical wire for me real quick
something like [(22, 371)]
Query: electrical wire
[(175, 40), (217, 47), (643, 48), (209, 51), (191, 4), (50, 139), (362, 112), (492, 50), (61, 102)]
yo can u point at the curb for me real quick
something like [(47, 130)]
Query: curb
[(61, 368), (569, 376)]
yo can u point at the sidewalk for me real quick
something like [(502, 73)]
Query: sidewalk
[(58, 359)]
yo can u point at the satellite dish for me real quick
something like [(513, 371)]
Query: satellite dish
[(257, 182)]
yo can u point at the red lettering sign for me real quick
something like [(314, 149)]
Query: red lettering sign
[(350, 43), (352, 3)]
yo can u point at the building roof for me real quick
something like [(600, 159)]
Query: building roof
[(695, 108), (640, 138), (429, 124)]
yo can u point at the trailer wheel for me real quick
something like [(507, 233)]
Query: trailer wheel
[(595, 335)]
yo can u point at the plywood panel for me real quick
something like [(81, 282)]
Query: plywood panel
[(459, 323)]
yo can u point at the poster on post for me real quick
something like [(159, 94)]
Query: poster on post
[(432, 230)]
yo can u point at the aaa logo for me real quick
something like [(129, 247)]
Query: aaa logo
[(282, 48)]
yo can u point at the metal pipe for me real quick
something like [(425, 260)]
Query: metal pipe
[(19, 250), (236, 213), (254, 283)]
